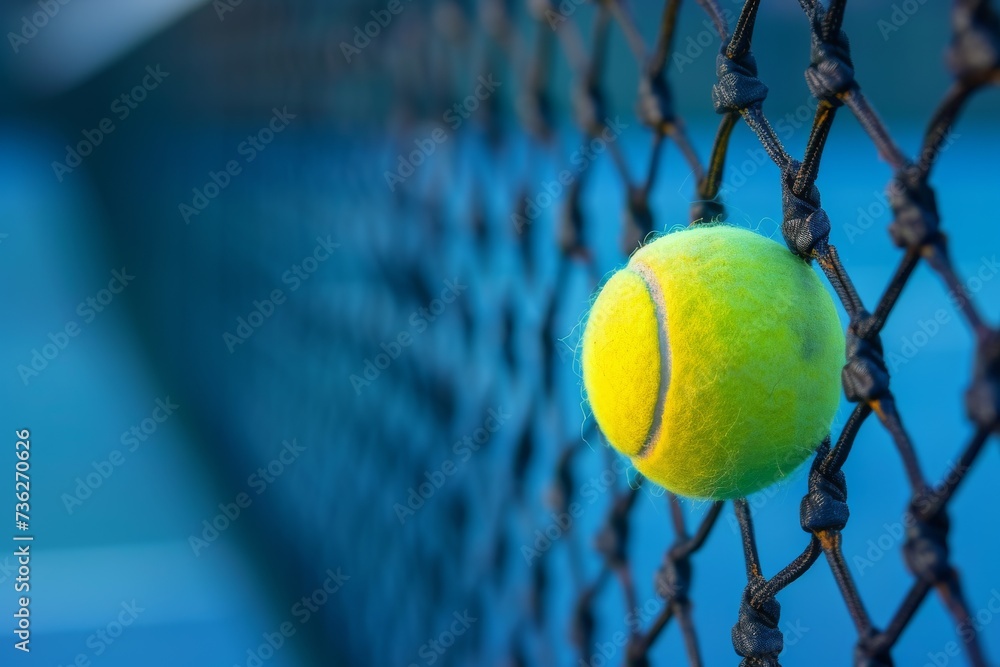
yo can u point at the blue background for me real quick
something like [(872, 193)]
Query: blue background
[(334, 507)]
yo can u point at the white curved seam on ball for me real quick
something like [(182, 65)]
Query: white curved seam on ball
[(648, 277)]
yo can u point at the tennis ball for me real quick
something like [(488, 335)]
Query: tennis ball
[(713, 361)]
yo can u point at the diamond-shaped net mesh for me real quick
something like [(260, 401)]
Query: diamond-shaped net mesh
[(515, 321)]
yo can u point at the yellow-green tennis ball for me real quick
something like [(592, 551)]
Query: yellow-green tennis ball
[(713, 361)]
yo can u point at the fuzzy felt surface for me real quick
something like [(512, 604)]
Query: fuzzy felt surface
[(755, 353), (621, 361)]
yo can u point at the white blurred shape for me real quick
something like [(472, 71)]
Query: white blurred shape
[(83, 37)]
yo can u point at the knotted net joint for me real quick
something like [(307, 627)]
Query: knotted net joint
[(655, 106), (982, 400), (915, 221), (824, 507), (870, 651), (589, 108), (805, 225), (756, 636), (738, 87), (831, 72), (612, 539), (865, 376), (638, 219), (673, 579), (975, 44), (926, 547)]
